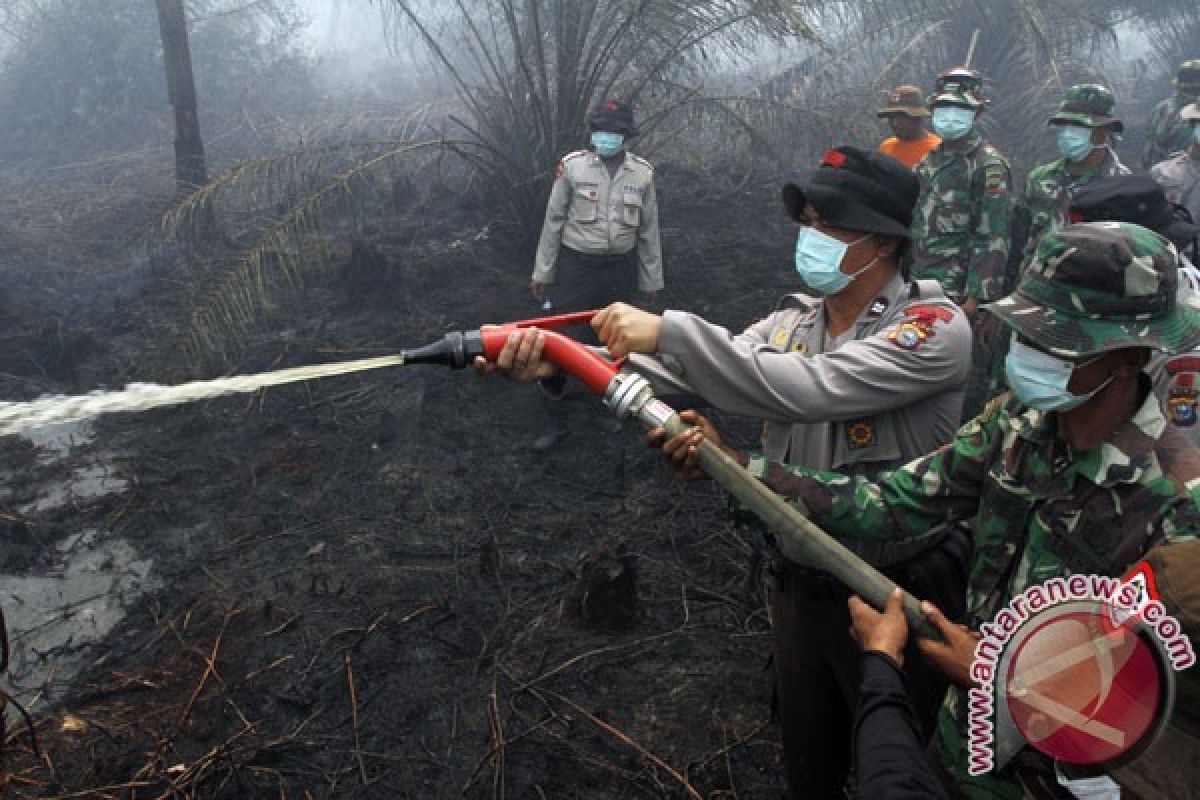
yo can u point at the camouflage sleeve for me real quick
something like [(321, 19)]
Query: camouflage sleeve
[(1019, 223), (903, 506), (990, 237)]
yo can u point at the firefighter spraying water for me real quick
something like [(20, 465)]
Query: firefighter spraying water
[(626, 395)]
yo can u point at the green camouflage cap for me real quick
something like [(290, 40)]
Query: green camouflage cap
[(1100, 286), (1089, 105), (1188, 76)]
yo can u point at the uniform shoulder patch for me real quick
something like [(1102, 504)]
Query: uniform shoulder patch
[(919, 325), (995, 178), (928, 312), (1183, 393)]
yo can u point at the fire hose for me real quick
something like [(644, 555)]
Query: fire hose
[(629, 395), (626, 394)]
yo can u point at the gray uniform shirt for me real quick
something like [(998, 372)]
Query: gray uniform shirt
[(593, 212), (1177, 377), (1179, 176), (871, 401)]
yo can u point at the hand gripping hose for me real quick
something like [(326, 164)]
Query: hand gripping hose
[(630, 395)]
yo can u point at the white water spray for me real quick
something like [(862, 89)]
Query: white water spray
[(20, 417)]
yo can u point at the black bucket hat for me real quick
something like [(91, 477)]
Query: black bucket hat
[(1131, 198), (857, 190), (615, 117)]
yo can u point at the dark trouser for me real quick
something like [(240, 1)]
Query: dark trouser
[(815, 662), (586, 282)]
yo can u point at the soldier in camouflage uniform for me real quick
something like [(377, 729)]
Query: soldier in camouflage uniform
[(1085, 157), (961, 226), (1084, 478), (1169, 133)]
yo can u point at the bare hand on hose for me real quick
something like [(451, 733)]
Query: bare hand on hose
[(625, 329), (683, 451), (880, 632), (519, 359), (952, 656)]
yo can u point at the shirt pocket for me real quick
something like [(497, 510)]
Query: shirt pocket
[(631, 208), (585, 200), (866, 443), (952, 215)]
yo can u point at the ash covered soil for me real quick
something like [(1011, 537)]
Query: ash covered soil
[(371, 586)]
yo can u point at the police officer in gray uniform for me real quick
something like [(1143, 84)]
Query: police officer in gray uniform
[(862, 377), (600, 237), (601, 228)]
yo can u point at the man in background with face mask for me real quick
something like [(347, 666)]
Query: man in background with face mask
[(600, 237), (861, 380), (906, 114), (1179, 175), (1075, 472), (1083, 127), (1169, 131), (961, 226)]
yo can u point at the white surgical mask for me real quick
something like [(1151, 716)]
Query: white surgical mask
[(952, 122), (819, 260), (1039, 380), (1074, 142), (607, 144)]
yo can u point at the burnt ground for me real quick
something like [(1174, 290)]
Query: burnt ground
[(372, 587)]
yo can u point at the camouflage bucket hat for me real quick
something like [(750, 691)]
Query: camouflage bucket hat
[(1089, 105), (1101, 286)]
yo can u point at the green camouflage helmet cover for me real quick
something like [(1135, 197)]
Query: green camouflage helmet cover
[(1100, 286), (959, 86), (1089, 105)]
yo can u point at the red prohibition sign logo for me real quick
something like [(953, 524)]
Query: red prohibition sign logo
[(1082, 690)]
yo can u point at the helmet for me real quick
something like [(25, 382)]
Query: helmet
[(959, 86)]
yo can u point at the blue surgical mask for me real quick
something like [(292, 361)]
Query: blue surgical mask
[(819, 261), (952, 122), (1074, 142), (1039, 380), (607, 144)]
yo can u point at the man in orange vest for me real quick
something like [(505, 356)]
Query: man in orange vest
[(906, 114)]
